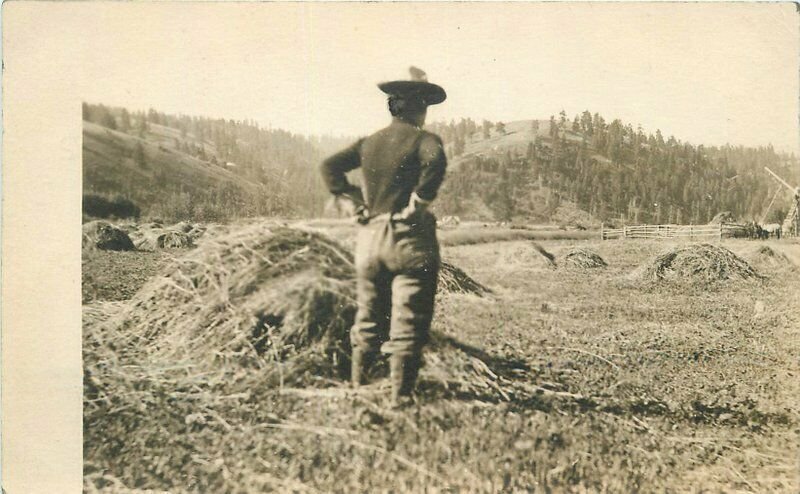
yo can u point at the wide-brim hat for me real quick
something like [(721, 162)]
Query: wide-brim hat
[(417, 87)]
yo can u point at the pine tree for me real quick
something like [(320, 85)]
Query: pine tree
[(139, 156), (125, 121)]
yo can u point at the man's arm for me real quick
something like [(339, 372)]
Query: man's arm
[(433, 166), (433, 163), (334, 169)]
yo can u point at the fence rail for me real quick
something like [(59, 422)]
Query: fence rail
[(707, 232)]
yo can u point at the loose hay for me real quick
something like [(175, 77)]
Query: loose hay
[(105, 236), (584, 258), (697, 263)]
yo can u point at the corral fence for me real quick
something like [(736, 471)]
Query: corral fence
[(689, 232)]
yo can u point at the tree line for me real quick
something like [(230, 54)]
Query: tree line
[(612, 170)]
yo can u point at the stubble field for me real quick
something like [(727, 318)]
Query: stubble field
[(668, 387)]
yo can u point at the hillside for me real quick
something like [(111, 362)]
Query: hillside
[(197, 168), (166, 182), (531, 170), (580, 172)]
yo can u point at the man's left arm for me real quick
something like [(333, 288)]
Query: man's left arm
[(433, 164)]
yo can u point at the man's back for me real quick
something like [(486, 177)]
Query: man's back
[(391, 166), (396, 162)]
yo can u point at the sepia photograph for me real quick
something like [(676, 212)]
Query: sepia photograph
[(437, 247)]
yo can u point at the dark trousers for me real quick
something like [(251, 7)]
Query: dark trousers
[(397, 265)]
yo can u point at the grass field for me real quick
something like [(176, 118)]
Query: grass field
[(669, 388)]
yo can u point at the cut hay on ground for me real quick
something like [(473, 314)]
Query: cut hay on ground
[(198, 359), (584, 258), (697, 263), (104, 236)]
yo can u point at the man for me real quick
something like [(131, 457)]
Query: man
[(397, 253)]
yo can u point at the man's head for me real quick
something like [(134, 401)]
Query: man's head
[(409, 108), (409, 98)]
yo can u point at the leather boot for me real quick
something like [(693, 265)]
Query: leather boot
[(404, 370), (359, 365)]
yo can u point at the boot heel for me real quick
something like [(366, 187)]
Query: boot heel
[(404, 370)]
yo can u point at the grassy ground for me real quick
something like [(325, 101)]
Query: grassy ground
[(657, 389)]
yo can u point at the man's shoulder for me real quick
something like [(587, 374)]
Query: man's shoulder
[(430, 144), (428, 136)]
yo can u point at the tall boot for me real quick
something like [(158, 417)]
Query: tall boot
[(359, 365), (404, 370)]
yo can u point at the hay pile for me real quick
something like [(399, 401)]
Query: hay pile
[(703, 263), (454, 280), (766, 257), (584, 258), (721, 217), (529, 254), (153, 236), (104, 236), (269, 297)]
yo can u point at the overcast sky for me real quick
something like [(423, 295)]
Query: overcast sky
[(706, 73)]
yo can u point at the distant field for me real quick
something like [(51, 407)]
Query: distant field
[(467, 234), (703, 380)]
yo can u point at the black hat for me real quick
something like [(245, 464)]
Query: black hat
[(418, 87)]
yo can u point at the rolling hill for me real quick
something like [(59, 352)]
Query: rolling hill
[(166, 182)]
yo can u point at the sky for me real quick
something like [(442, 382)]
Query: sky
[(710, 73)]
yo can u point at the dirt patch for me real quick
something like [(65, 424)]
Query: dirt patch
[(109, 275)]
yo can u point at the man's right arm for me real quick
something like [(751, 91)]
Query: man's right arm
[(334, 169)]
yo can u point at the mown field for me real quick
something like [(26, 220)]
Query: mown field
[(671, 387)]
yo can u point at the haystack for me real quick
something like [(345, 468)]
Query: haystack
[(584, 258), (721, 217), (105, 236), (156, 239), (697, 263), (528, 254), (270, 297), (766, 257), (454, 280)]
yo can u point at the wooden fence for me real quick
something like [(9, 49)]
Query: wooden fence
[(688, 232)]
